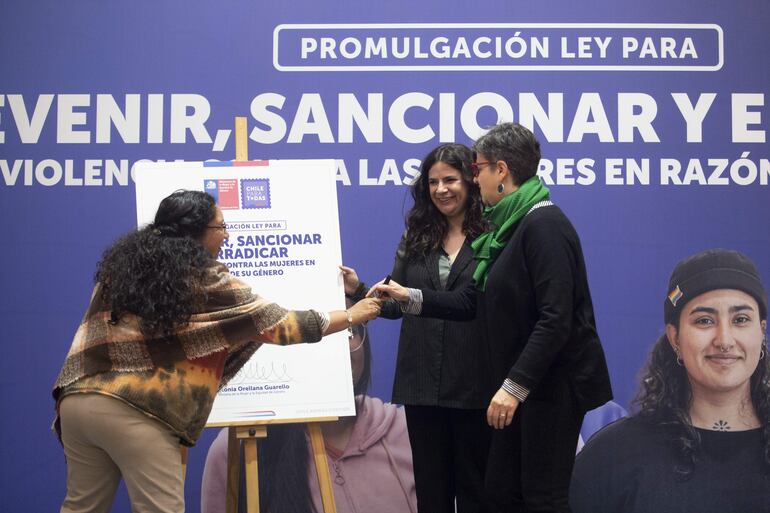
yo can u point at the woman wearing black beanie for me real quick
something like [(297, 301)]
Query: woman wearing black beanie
[(701, 438)]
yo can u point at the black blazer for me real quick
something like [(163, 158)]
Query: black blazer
[(536, 315), (439, 362)]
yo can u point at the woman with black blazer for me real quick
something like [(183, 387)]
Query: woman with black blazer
[(440, 369), (533, 308)]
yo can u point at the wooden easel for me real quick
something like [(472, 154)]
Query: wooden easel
[(249, 432)]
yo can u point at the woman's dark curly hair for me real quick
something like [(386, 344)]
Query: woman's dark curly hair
[(426, 226), (665, 396), (156, 272)]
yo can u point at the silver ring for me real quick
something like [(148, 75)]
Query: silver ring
[(503, 414)]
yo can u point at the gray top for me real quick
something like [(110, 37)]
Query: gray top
[(444, 267)]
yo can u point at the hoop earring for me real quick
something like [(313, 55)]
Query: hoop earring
[(500, 188), (764, 345)]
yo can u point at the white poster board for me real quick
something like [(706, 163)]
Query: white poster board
[(284, 242)]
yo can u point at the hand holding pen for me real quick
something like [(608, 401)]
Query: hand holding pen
[(389, 288), (384, 282)]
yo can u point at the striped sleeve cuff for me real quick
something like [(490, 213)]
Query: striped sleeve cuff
[(414, 305), (516, 390), (325, 321)]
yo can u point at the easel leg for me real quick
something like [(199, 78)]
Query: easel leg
[(249, 435), (183, 453), (241, 141), (252, 476), (233, 471), (322, 467)]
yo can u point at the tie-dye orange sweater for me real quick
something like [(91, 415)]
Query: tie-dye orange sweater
[(175, 378)]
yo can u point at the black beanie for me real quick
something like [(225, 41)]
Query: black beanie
[(711, 270)]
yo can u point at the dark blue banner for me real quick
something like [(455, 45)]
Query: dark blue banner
[(653, 119)]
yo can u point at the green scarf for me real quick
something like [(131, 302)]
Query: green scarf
[(503, 216)]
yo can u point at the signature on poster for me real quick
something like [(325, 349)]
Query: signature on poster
[(259, 372)]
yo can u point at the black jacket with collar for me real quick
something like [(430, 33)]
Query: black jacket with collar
[(536, 316), (440, 362)]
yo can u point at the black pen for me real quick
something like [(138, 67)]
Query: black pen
[(378, 294)]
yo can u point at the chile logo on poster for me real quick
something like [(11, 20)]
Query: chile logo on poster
[(254, 192)]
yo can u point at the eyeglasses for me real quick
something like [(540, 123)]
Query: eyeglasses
[(476, 167), (221, 227)]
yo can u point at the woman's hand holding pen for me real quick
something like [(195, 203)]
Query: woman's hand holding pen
[(389, 288)]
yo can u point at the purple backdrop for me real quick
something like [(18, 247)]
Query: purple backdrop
[(87, 88)]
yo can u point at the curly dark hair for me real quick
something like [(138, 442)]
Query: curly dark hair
[(426, 226), (156, 272), (665, 396)]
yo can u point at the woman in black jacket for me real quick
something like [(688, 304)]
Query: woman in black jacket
[(533, 308), (441, 369)]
